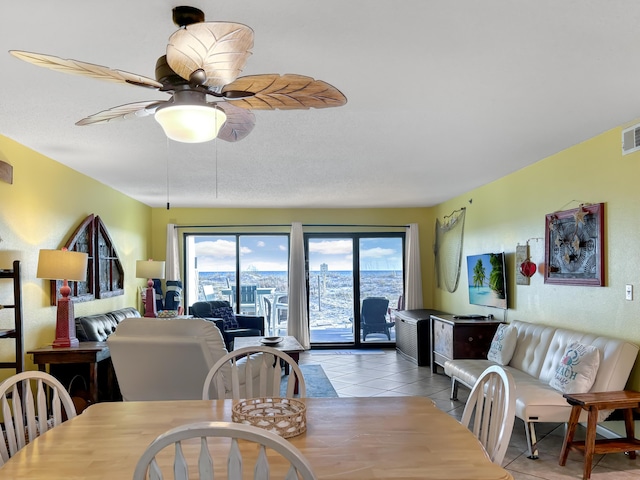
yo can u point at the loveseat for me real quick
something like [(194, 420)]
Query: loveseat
[(540, 357), (216, 311), (98, 327)]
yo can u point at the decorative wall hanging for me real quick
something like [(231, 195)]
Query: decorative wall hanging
[(525, 267), (105, 275), (522, 256), (574, 246), (448, 249)]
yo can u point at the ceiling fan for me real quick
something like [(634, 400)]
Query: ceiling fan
[(201, 72)]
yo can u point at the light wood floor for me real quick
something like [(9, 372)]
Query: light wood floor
[(389, 374)]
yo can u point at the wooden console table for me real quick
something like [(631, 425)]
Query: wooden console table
[(593, 403), (453, 338), (86, 352)]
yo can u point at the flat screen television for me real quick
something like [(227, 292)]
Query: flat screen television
[(487, 280)]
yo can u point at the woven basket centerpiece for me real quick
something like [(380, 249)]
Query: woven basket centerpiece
[(285, 416)]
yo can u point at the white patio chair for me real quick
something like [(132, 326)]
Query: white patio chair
[(492, 403), (148, 467), (27, 416), (261, 364)]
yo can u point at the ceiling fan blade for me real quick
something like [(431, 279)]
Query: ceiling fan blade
[(238, 125), (76, 67), (121, 112), (285, 92), (221, 49)]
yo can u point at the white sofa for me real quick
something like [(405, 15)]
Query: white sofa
[(538, 349), (166, 359)]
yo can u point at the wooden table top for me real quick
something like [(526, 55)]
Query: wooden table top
[(82, 347), (346, 438), (289, 343)]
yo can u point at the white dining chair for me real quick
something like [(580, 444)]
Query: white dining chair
[(491, 406), (258, 370), (27, 415), (149, 468)]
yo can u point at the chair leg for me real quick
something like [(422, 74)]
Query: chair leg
[(532, 441), (454, 389)]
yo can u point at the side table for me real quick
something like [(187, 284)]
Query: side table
[(593, 403), (86, 352)]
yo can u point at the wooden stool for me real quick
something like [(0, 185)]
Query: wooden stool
[(593, 403)]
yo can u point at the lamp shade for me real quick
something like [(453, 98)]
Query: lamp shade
[(149, 269), (62, 265), (190, 123)]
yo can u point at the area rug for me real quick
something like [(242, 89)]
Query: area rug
[(347, 352), (316, 382)]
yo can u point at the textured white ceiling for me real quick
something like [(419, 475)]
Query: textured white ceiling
[(443, 96)]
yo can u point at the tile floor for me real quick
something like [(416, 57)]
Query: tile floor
[(385, 374)]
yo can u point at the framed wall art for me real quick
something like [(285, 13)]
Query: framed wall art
[(574, 246)]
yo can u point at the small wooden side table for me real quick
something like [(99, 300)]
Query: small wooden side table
[(86, 352), (593, 403)]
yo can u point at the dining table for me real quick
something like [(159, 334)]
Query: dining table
[(354, 438)]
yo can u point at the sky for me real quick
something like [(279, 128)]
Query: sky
[(267, 253)]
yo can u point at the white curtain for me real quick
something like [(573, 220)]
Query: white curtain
[(413, 288), (298, 321), (172, 260)]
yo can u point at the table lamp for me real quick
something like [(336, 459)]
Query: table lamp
[(63, 265), (149, 269)]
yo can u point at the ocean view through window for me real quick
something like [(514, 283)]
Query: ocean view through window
[(343, 270)]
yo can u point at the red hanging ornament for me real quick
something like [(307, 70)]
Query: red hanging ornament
[(527, 268)]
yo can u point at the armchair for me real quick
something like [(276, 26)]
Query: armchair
[(247, 325), (169, 359)]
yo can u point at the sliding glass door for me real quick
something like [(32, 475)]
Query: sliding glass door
[(249, 271), (331, 289), (344, 270)]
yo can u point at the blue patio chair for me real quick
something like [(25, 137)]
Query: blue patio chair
[(373, 317)]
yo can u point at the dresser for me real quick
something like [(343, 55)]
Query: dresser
[(413, 334), (453, 338)]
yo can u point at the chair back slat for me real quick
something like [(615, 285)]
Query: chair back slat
[(180, 468), (205, 462)]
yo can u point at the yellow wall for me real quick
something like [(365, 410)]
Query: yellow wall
[(41, 209), (512, 210), (269, 216), (47, 201)]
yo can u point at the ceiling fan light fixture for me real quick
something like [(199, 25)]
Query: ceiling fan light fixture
[(191, 123)]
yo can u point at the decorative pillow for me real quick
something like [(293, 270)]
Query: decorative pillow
[(577, 369), (227, 316), (503, 344)]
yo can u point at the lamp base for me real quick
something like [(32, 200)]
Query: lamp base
[(65, 324), (150, 302)]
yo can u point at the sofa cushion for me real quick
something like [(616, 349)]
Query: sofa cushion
[(227, 316), (576, 371), (503, 344)]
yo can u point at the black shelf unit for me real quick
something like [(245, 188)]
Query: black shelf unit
[(16, 333)]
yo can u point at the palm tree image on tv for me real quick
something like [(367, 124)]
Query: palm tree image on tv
[(486, 280), (478, 274), (496, 278)]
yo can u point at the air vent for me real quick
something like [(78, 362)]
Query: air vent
[(631, 139)]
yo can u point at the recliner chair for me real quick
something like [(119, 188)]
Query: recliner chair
[(166, 359)]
